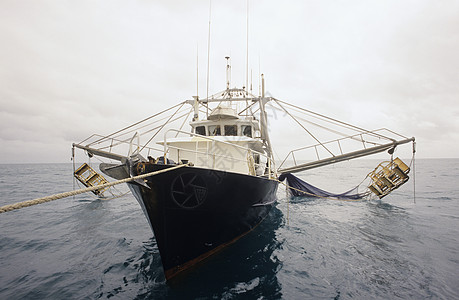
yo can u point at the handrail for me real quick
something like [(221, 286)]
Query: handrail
[(271, 168), (214, 155), (343, 157), (350, 137), (125, 142), (112, 145), (207, 138)]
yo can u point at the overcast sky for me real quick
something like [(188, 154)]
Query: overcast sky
[(72, 68)]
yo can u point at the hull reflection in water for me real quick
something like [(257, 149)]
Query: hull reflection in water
[(249, 267)]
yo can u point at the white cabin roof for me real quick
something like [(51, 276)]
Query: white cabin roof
[(223, 112)]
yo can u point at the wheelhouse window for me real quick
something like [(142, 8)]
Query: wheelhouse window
[(200, 130), (230, 130), (246, 130), (215, 130)]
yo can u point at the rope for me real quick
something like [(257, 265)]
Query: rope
[(132, 125), (167, 122), (414, 172), (413, 163), (317, 140), (343, 124), (23, 204)]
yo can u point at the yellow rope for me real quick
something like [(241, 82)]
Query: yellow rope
[(19, 205)]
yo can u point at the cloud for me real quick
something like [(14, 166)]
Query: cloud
[(70, 69)]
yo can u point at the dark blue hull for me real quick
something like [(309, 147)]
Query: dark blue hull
[(196, 212)]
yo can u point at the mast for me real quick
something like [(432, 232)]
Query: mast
[(196, 108), (262, 85), (208, 59), (264, 120), (228, 73), (247, 51)]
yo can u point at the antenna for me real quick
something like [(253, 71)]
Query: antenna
[(251, 81), (251, 92), (197, 70), (259, 76), (262, 86), (228, 73), (196, 99), (247, 53), (208, 57)]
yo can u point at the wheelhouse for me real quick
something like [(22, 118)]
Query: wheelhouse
[(223, 141), (241, 127)]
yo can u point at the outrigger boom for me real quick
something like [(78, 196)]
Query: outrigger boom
[(343, 157), (93, 151)]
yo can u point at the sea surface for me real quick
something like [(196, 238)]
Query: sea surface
[(403, 247)]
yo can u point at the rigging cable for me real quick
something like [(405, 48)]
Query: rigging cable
[(184, 120), (183, 103), (146, 125), (120, 142), (277, 101), (414, 171), (332, 119), (73, 164), (132, 125), (353, 137)]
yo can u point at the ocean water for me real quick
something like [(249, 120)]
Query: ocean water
[(86, 248)]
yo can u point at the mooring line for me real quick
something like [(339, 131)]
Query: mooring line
[(41, 200)]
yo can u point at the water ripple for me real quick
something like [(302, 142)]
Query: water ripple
[(84, 248)]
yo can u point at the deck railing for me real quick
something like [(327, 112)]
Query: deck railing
[(214, 158)]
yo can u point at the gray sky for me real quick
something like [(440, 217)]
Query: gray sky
[(72, 68)]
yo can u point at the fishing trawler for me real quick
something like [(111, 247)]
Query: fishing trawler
[(208, 186)]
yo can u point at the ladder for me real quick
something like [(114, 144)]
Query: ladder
[(89, 177)]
